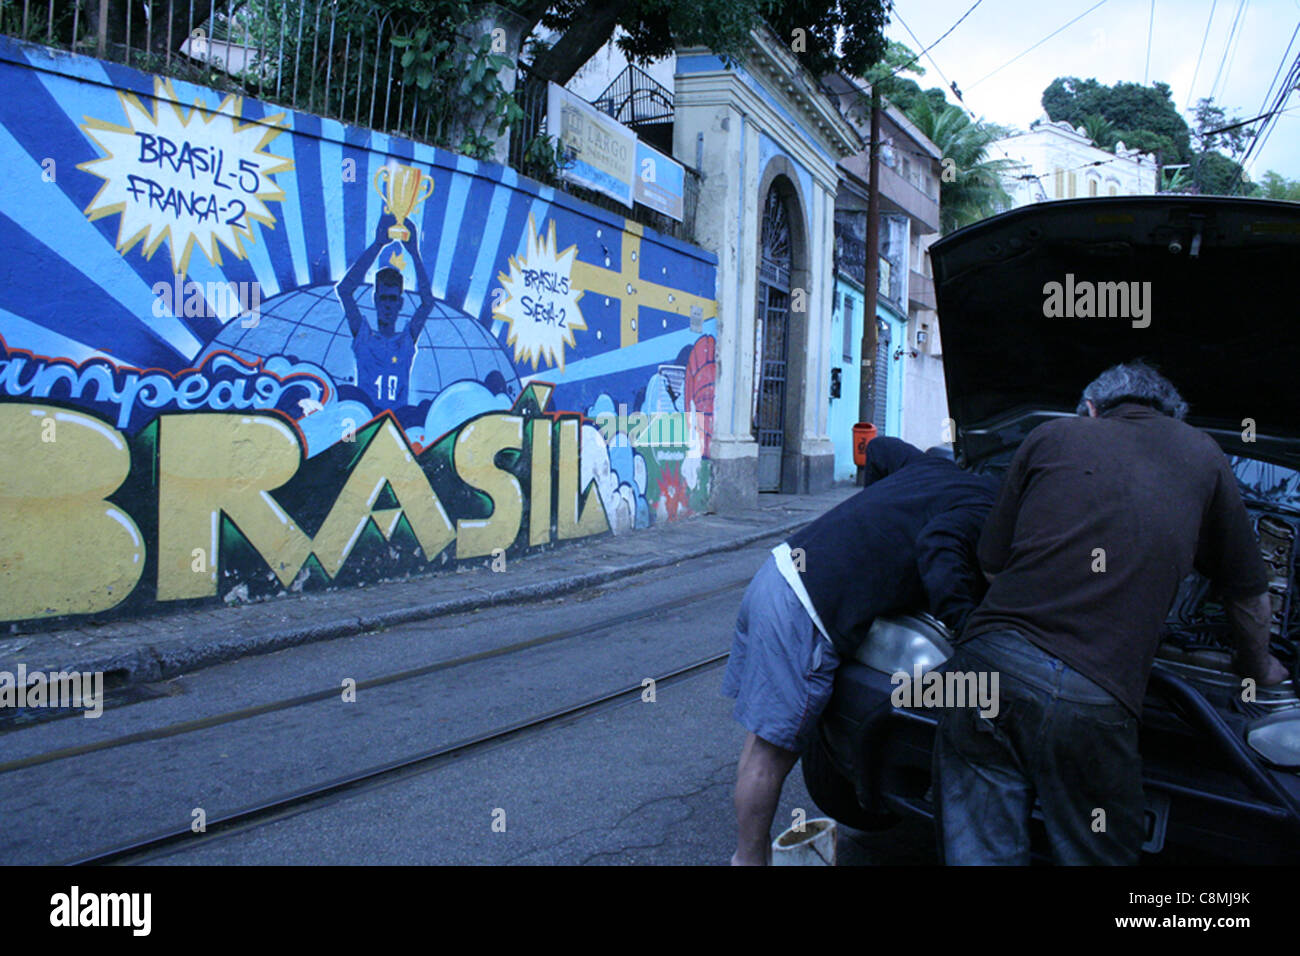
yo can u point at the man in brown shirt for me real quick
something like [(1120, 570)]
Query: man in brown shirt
[(1098, 521)]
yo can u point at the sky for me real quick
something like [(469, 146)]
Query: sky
[(1110, 45)]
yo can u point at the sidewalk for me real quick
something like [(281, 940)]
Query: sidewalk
[(153, 648)]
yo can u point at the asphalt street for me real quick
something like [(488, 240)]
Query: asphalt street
[(636, 782)]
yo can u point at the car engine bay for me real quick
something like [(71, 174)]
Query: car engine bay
[(1197, 630)]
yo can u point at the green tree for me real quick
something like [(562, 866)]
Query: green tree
[(1208, 129), (1143, 117), (1273, 185), (1213, 172), (1216, 175), (901, 90), (1101, 131), (970, 186), (825, 34)]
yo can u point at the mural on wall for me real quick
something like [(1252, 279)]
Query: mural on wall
[(245, 351)]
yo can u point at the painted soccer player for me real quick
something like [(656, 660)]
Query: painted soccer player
[(384, 355)]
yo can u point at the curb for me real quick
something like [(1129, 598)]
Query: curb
[(150, 663)]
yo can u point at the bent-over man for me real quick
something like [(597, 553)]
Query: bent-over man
[(906, 540), (1099, 519)]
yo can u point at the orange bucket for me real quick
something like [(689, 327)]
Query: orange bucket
[(863, 432)]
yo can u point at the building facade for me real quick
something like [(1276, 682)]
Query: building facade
[(906, 372), (766, 139), (1058, 161)]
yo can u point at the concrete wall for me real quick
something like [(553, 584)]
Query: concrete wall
[(200, 401), (925, 403), (925, 395)]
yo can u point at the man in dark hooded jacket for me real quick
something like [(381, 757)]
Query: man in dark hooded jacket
[(906, 540)]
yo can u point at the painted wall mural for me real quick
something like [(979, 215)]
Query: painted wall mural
[(246, 351)]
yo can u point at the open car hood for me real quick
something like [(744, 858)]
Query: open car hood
[(1220, 316)]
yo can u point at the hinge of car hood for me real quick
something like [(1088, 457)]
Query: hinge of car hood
[(1198, 224)]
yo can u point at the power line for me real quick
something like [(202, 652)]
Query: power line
[(1269, 124), (1232, 59), (1270, 120), (1038, 44), (957, 92), (1280, 65), (1236, 125), (1232, 33), (1146, 73), (935, 43), (951, 85), (1192, 88)]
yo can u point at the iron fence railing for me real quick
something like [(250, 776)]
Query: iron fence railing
[(337, 60), (341, 60), (534, 153), (641, 103)]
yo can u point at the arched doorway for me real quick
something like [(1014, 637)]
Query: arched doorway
[(772, 339)]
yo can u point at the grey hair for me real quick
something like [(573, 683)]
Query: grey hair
[(1133, 382)]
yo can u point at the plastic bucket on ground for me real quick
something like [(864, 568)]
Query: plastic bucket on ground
[(863, 432), (811, 845)]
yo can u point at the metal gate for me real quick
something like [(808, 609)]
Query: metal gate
[(880, 386), (772, 315)]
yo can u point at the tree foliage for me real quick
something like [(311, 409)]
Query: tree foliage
[(1273, 185), (1143, 117), (970, 187), (652, 29), (901, 90), (1101, 131), (326, 56), (973, 190)]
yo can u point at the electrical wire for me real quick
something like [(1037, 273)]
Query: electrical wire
[(1037, 45), (1196, 72), (1278, 71), (1270, 123), (1232, 58), (935, 43), (1146, 73), (1232, 33), (1270, 118), (951, 85)]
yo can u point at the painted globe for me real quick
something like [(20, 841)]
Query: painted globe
[(308, 325)]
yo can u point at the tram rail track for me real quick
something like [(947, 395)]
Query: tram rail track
[(182, 728), (293, 803)]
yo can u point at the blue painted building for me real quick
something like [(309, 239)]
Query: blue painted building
[(905, 373)]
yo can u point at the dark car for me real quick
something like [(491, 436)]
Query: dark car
[(1221, 774)]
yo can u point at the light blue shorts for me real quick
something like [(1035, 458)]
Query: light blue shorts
[(781, 670)]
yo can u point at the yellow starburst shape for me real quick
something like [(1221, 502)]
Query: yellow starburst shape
[(187, 174), (541, 303)]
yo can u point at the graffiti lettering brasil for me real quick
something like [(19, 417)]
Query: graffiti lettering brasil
[(204, 504)]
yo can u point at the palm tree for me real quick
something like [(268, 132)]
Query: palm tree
[(1101, 131), (1177, 181), (970, 186)]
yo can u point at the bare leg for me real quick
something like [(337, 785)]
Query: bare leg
[(759, 776)]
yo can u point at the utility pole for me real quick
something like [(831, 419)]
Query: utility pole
[(867, 378)]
